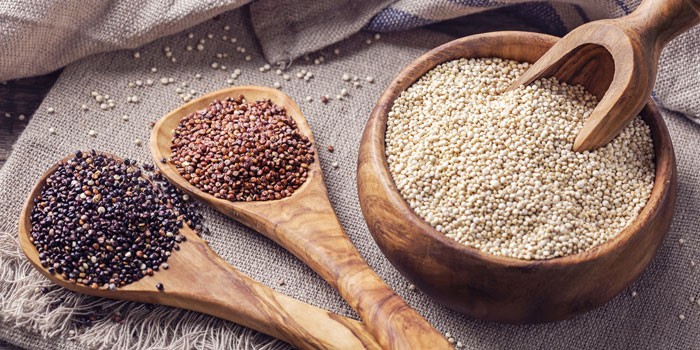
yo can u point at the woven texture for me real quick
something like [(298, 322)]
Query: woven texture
[(294, 28), (37, 321), (37, 37)]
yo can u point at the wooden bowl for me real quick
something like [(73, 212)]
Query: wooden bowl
[(492, 287)]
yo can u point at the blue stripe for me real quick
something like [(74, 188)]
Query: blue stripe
[(582, 13), (478, 3), (391, 19), (623, 6), (541, 15)]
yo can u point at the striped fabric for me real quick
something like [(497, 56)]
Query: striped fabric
[(676, 89), (560, 16)]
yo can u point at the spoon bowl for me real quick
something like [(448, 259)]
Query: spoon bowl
[(199, 280), (493, 287), (306, 225)]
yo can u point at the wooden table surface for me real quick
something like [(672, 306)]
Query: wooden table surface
[(19, 99)]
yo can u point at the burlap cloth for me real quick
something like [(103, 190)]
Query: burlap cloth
[(33, 320), (39, 36)]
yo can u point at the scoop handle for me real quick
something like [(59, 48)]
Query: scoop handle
[(663, 20)]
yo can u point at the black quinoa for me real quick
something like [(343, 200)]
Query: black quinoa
[(100, 222)]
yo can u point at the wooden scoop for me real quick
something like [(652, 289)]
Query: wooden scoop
[(199, 280), (305, 224), (616, 60)]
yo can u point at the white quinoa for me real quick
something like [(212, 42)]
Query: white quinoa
[(496, 170)]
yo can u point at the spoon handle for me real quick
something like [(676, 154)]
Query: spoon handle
[(208, 284), (198, 279), (311, 231), (662, 20)]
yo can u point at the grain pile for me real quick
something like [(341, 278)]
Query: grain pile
[(242, 151), (100, 222), (496, 170)]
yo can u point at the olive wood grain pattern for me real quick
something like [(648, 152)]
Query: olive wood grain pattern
[(199, 280), (616, 60), (306, 225), (500, 288)]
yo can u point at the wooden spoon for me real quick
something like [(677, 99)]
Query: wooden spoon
[(616, 60), (199, 280), (306, 225)]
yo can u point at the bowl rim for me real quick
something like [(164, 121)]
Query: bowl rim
[(375, 138)]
